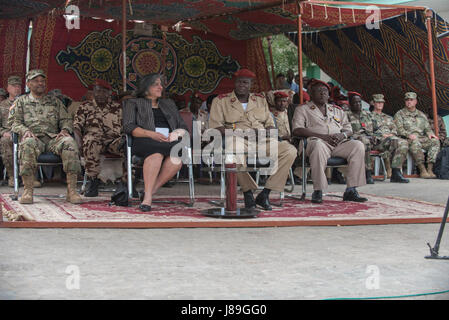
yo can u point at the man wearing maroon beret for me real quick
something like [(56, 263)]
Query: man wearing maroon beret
[(328, 130), (243, 110), (98, 129)]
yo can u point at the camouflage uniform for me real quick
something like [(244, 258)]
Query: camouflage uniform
[(362, 128), (6, 145), (415, 122), (442, 133), (45, 118), (101, 130), (393, 147)]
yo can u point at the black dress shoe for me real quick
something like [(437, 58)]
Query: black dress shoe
[(263, 201), (317, 196), (145, 207), (249, 200), (92, 188), (337, 177), (396, 176), (353, 196)]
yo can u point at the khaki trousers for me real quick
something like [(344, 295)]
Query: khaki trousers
[(282, 155), (319, 152)]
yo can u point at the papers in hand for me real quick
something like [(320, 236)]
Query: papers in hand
[(164, 131)]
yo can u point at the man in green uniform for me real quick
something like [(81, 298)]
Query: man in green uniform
[(387, 140), (43, 125), (362, 128), (414, 126)]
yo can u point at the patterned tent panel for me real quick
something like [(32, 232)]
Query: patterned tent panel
[(391, 60), (190, 60)]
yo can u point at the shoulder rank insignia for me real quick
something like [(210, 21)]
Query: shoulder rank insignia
[(338, 107), (259, 95), (12, 109), (224, 95), (312, 107), (233, 99)]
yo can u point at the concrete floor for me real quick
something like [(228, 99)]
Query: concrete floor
[(254, 263)]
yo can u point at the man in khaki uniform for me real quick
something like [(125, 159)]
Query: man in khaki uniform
[(244, 110), (43, 124), (327, 130), (280, 115)]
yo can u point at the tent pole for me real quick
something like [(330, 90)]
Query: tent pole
[(124, 43), (300, 84), (432, 70), (272, 62)]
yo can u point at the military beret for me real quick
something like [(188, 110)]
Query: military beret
[(353, 93), (244, 73), (14, 80), (410, 95), (280, 94), (102, 83), (378, 97), (3, 92), (35, 73), (315, 82)]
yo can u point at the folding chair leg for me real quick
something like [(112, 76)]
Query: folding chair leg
[(83, 186), (41, 174), (384, 169), (191, 180)]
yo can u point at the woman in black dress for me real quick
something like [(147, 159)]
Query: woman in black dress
[(148, 118)]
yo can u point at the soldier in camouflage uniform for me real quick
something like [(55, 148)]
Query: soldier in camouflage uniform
[(362, 128), (3, 94), (387, 141), (6, 146), (98, 128), (442, 132), (414, 126), (43, 125)]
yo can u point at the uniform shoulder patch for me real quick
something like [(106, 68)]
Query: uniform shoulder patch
[(337, 107), (223, 95), (259, 95)]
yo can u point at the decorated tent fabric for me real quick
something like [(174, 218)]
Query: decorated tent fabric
[(235, 19), (191, 61), (391, 60), (13, 35)]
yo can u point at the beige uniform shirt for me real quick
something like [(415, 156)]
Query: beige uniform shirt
[(309, 116), (281, 118), (228, 112)]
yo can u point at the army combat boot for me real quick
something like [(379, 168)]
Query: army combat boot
[(423, 171), (10, 172), (27, 196), (72, 195), (430, 171)]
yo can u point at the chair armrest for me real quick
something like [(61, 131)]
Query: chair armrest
[(15, 137)]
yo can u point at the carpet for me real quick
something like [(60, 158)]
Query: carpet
[(54, 211)]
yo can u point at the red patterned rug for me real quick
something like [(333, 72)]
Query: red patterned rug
[(54, 211)]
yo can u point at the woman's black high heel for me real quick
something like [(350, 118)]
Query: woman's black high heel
[(145, 208)]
